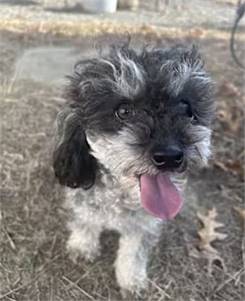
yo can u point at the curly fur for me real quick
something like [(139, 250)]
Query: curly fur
[(103, 156)]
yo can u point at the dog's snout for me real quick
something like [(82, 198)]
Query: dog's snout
[(168, 157)]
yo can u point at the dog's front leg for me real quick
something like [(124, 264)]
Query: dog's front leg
[(132, 258)]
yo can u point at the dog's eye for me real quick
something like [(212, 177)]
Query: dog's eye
[(124, 111), (187, 110)]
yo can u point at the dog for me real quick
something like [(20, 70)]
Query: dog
[(134, 122)]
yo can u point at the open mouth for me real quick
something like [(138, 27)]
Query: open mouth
[(159, 196)]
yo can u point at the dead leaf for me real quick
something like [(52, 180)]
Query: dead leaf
[(231, 118), (207, 235), (197, 33), (230, 107), (221, 165), (233, 166), (228, 89)]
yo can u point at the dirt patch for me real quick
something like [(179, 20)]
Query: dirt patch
[(34, 263)]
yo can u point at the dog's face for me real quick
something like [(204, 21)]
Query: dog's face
[(141, 115)]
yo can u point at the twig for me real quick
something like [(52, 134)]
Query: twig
[(78, 287), (11, 242), (160, 289), (232, 277)]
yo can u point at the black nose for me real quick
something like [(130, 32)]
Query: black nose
[(168, 157)]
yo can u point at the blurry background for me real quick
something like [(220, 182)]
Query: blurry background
[(40, 40)]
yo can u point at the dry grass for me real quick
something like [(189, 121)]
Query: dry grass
[(99, 27), (34, 264)]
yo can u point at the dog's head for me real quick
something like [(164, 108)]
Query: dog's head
[(142, 115)]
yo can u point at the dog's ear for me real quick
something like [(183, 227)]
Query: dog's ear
[(73, 164)]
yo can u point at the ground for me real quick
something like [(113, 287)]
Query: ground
[(34, 264)]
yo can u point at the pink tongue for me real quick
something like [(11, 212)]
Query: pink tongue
[(159, 196)]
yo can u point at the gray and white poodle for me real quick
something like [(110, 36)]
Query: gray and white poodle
[(134, 121)]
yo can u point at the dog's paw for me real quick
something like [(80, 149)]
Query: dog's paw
[(132, 281), (133, 294), (76, 255), (73, 254), (81, 249)]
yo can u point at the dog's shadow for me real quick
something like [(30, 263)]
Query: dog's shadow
[(109, 241)]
